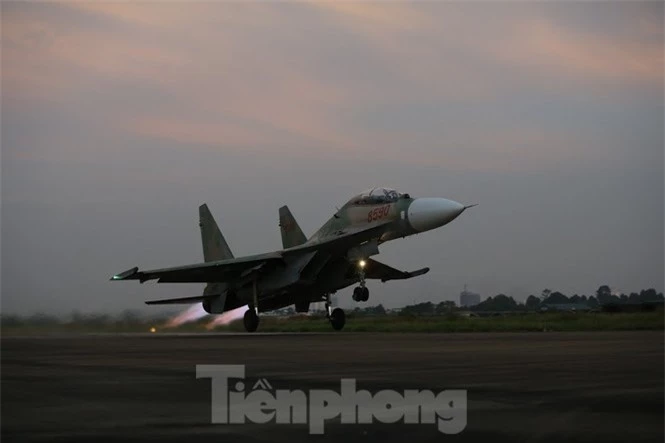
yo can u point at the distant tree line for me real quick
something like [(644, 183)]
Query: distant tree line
[(503, 303), (429, 308), (602, 299)]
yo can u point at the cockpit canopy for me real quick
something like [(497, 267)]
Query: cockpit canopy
[(376, 196)]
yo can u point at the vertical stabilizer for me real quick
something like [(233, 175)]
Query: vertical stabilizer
[(214, 244), (292, 235)]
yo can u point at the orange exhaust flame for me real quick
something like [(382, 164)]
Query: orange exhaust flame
[(192, 313), (227, 317)]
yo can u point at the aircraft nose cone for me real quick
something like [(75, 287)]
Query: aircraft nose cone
[(430, 213)]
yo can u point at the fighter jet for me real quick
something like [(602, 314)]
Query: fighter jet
[(306, 270)]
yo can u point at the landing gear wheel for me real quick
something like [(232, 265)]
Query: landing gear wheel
[(251, 320), (337, 319), (360, 293), (357, 293)]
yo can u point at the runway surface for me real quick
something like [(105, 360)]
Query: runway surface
[(593, 386)]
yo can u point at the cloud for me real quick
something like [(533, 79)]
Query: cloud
[(313, 79), (532, 37), (47, 59), (543, 45)]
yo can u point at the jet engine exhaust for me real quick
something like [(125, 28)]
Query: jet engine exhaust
[(227, 317), (193, 313)]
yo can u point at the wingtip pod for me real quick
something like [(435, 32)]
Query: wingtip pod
[(126, 274)]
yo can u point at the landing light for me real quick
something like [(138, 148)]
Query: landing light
[(153, 329), (362, 264)]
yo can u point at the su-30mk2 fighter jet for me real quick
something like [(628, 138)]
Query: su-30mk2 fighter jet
[(306, 270)]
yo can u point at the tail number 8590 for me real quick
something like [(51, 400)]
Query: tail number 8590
[(378, 213)]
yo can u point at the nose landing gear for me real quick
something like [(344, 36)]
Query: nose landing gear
[(251, 318), (360, 293)]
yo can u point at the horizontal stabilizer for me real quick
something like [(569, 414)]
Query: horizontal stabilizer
[(177, 301)]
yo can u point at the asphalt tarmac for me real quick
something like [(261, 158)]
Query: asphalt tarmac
[(539, 387)]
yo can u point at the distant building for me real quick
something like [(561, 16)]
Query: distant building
[(468, 299)]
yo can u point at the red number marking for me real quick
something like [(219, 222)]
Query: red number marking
[(378, 213)]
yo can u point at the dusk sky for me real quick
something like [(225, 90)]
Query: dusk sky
[(119, 119)]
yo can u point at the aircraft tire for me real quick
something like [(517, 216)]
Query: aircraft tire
[(365, 294), (337, 319), (251, 320), (357, 293)]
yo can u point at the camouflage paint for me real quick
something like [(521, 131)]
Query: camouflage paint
[(353, 215), (305, 269), (292, 235)]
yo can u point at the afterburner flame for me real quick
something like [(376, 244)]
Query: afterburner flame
[(192, 313), (227, 317)]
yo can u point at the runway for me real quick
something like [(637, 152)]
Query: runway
[(594, 386)]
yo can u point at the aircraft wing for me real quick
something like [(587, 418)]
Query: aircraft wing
[(378, 271), (214, 271), (230, 269)]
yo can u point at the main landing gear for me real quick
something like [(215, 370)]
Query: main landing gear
[(251, 318), (336, 316)]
